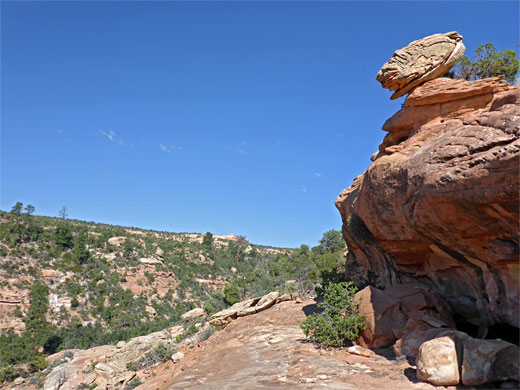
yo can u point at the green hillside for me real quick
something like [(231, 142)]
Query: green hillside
[(72, 284)]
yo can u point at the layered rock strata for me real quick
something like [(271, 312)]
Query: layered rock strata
[(439, 207)]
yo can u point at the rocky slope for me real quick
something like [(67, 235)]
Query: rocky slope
[(439, 207), (268, 350)]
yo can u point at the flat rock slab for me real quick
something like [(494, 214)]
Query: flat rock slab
[(269, 350)]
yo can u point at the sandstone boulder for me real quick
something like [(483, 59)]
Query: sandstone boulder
[(453, 357), (117, 241), (194, 313), (438, 361), (244, 308), (176, 357), (439, 208), (159, 252), (60, 375), (485, 361), (149, 261), (113, 373), (420, 61)]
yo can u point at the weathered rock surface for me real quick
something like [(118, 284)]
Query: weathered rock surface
[(177, 356), (150, 261), (111, 368), (194, 313), (439, 207), (392, 312), (268, 351), (420, 61), (453, 357), (117, 241), (438, 361), (244, 308)]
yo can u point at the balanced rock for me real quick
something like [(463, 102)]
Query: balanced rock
[(420, 61)]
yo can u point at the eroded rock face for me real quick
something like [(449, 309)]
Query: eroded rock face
[(395, 311), (439, 207), (420, 61)]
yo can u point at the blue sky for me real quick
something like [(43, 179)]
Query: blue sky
[(230, 117)]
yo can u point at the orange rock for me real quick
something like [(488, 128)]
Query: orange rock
[(441, 208)]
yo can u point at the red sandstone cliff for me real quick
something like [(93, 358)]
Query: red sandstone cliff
[(439, 207)]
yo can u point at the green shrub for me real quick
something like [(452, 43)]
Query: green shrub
[(133, 384), (207, 333), (339, 321), (159, 354)]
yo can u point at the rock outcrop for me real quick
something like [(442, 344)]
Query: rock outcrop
[(420, 61), (439, 207), (268, 351), (111, 368), (244, 308), (393, 312)]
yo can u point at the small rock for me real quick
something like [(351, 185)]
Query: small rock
[(18, 381), (358, 350), (177, 357), (194, 313), (147, 260), (159, 252), (120, 344)]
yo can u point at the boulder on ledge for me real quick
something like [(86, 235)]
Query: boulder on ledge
[(420, 61)]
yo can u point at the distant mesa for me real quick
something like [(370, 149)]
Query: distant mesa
[(420, 61)]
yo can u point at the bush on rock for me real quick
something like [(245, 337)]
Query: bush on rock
[(339, 322)]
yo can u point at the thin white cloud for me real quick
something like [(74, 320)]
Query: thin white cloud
[(318, 174), (111, 136), (304, 189), (59, 131), (240, 148), (340, 135), (170, 148)]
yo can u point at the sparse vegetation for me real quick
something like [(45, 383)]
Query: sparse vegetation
[(96, 291), (487, 62), (339, 322)]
